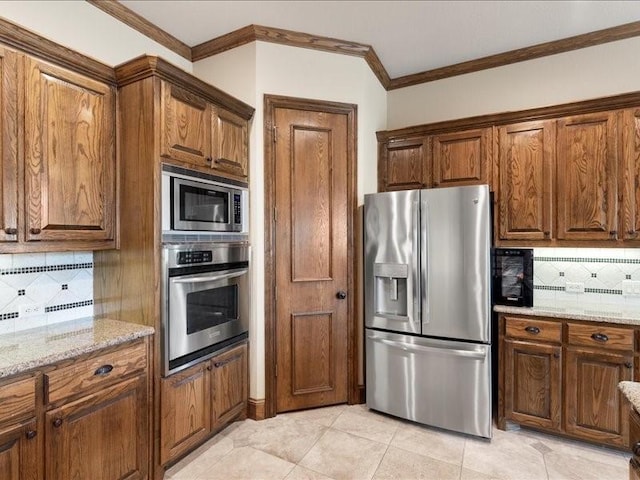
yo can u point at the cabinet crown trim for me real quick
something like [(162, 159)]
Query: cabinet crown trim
[(146, 66)]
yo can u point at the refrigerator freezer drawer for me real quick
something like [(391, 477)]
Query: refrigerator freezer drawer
[(442, 383)]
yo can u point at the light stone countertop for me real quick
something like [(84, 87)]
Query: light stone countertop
[(591, 313), (29, 349), (631, 390)]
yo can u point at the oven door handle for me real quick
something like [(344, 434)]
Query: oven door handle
[(198, 278)]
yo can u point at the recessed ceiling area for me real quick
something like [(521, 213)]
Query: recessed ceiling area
[(408, 36)]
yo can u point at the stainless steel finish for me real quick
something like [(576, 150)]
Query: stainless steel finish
[(171, 179), (427, 306), (436, 382), (456, 264), (176, 342), (391, 261)]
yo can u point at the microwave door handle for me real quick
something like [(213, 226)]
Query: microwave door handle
[(209, 278)]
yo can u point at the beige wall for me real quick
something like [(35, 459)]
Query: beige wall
[(599, 71), (86, 29), (303, 73)]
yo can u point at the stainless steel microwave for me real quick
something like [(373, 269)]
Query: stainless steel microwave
[(194, 202)]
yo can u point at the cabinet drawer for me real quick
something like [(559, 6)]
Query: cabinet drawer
[(18, 400), (614, 338), (94, 372), (533, 329)]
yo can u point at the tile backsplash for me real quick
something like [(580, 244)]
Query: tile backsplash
[(61, 283), (601, 271)]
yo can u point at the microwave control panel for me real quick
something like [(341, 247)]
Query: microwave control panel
[(200, 256), (237, 212)]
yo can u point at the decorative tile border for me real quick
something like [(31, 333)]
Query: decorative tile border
[(48, 268), (608, 291), (635, 261), (52, 308), (548, 287)]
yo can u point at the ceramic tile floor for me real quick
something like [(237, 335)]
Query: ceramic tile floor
[(351, 442)]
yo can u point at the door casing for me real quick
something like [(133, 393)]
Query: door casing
[(271, 103)]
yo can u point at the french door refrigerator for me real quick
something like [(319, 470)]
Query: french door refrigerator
[(427, 306)]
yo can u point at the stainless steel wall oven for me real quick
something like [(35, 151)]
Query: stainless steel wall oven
[(205, 298)]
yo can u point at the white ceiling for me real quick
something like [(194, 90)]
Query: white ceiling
[(408, 36)]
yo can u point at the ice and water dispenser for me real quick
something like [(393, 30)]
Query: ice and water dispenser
[(390, 297)]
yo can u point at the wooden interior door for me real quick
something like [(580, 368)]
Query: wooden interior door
[(311, 258)]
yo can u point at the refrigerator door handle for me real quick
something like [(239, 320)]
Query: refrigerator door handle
[(416, 264), (421, 348), (425, 268)]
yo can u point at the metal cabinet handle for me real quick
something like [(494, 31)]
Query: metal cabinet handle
[(35, 231), (31, 434), (224, 362), (10, 231), (103, 370), (532, 330), (628, 364), (57, 422), (636, 449), (600, 337), (556, 355), (613, 233), (208, 159)]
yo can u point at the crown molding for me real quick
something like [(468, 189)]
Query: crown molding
[(577, 42), (142, 25), (146, 66), (20, 38), (252, 33)]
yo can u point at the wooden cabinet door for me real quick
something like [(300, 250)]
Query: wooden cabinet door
[(229, 378), (532, 384), (462, 158), (103, 436), (19, 456), (185, 411), (230, 149), (403, 165), (526, 159), (595, 407), (186, 126), (587, 165), (9, 134), (631, 174), (70, 164)]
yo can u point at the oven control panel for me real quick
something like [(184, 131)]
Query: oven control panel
[(191, 257)]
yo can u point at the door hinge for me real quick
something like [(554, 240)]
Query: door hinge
[(275, 134), (275, 214), (275, 292), (276, 369)]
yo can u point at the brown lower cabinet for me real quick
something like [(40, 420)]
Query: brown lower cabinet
[(200, 400), (86, 417), (562, 376), (634, 445)]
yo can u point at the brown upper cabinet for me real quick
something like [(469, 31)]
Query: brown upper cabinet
[(526, 158), (587, 168), (58, 158), (403, 165), (461, 158), (203, 135), (630, 177)]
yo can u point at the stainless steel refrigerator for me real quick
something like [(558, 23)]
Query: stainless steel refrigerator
[(427, 306)]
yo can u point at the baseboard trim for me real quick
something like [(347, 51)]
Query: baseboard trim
[(362, 398), (256, 409)]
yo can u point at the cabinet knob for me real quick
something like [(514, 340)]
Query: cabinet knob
[(31, 434), (613, 233), (35, 231), (547, 234), (103, 370), (10, 231), (208, 159), (532, 330), (628, 364), (636, 449), (57, 422), (556, 355), (632, 232), (600, 337), (341, 295)]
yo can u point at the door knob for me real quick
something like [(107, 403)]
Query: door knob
[(341, 295)]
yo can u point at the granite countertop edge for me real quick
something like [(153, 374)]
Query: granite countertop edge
[(106, 333), (631, 390), (620, 316)]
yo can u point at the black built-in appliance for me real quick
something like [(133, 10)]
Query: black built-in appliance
[(512, 276)]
